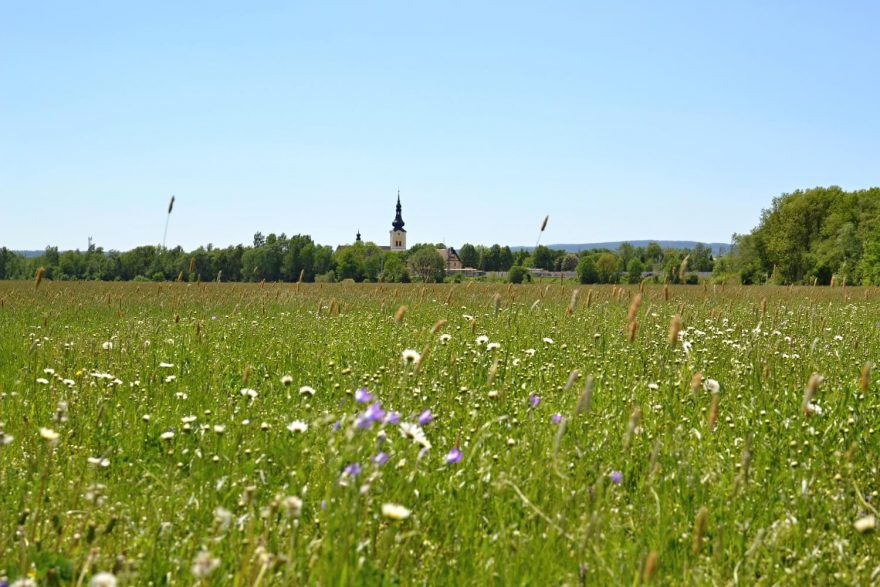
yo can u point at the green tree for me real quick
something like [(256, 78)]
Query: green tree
[(425, 264), (543, 258), (626, 252), (394, 269), (568, 263), (469, 255), (653, 255), (634, 270), (517, 274), (349, 264), (586, 270), (607, 267)]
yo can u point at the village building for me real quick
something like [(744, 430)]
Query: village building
[(452, 263), (451, 260)]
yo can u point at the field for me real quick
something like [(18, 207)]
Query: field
[(452, 434)]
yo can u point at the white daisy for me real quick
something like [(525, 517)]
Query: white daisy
[(297, 426)]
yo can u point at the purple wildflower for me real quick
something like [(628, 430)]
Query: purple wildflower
[(375, 412), (362, 396), (534, 400), (352, 470), (422, 453), (425, 417), (392, 418), (616, 477), (363, 422), (453, 456), (381, 458), (323, 504), (337, 425), (557, 418)]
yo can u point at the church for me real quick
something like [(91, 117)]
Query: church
[(397, 241)]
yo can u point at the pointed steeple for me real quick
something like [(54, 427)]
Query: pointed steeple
[(398, 219), (358, 238)]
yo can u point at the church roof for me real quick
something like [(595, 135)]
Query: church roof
[(398, 219)]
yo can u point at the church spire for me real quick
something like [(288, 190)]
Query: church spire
[(398, 219)]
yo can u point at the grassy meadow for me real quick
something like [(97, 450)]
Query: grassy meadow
[(470, 434)]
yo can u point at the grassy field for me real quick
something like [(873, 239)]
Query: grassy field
[(450, 434)]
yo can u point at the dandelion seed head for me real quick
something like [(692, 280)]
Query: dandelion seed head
[(411, 356)]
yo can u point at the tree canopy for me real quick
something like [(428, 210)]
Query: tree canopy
[(812, 236)]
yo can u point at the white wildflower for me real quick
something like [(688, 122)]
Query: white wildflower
[(298, 426), (866, 524), (103, 580), (49, 435), (204, 564), (411, 356), (306, 390), (415, 432), (293, 505), (395, 511), (222, 517)]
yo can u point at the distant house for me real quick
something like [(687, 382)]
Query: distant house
[(451, 260)]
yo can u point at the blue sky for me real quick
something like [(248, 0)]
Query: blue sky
[(629, 120)]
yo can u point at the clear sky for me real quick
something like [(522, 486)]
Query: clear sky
[(621, 120)]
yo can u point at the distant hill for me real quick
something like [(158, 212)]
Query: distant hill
[(29, 253), (717, 248)]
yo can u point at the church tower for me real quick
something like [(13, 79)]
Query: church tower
[(398, 234)]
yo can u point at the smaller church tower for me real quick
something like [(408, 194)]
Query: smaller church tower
[(398, 234)]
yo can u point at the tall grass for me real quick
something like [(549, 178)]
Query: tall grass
[(306, 433)]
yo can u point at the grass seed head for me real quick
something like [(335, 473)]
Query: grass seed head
[(650, 566), (674, 329), (700, 529), (810, 393), (865, 379), (632, 329), (634, 308)]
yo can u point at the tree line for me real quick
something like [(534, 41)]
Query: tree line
[(282, 258), (817, 236)]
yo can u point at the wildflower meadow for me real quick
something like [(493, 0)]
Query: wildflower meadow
[(466, 434)]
